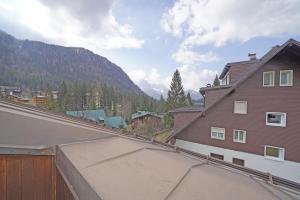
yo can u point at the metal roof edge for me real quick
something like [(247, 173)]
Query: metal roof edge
[(27, 150)]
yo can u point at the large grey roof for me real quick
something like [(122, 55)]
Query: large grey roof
[(23, 127), (122, 168)]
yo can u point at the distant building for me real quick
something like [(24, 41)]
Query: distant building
[(54, 94), (10, 90), (100, 116), (183, 115), (19, 99), (39, 100), (141, 119)]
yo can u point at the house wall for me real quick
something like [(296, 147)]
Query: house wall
[(260, 100), (285, 169), (237, 71), (27, 177), (183, 118), (141, 122), (211, 96)]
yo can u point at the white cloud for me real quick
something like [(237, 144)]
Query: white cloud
[(154, 83), (151, 81), (90, 24), (193, 77), (217, 22), (187, 56)]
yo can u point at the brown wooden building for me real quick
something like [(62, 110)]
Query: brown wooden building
[(252, 118), (142, 119), (39, 100)]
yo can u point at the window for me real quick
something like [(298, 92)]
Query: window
[(286, 78), (217, 156), (276, 119), (268, 79), (217, 133), (238, 161), (239, 136), (274, 152), (225, 80), (240, 107)]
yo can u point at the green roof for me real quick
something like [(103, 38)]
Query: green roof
[(144, 113), (116, 121), (99, 116)]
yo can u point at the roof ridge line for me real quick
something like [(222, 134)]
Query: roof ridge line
[(115, 157), (183, 177)]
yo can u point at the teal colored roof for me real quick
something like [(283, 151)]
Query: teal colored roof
[(116, 121), (95, 115), (144, 113), (99, 116)]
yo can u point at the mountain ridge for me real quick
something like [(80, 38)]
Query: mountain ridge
[(36, 64)]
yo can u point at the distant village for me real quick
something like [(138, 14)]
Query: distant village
[(142, 121)]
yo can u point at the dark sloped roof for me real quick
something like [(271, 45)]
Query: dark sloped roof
[(144, 113), (234, 64), (220, 87), (187, 109), (266, 58)]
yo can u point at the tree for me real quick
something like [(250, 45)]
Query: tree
[(189, 99), (62, 97), (216, 81), (176, 96)]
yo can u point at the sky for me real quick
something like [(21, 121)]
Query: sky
[(150, 39)]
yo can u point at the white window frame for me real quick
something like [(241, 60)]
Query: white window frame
[(234, 107), (281, 154), (291, 81), (226, 79), (283, 123), (214, 137), (238, 140), (268, 72)]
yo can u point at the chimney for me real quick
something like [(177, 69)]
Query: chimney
[(252, 56)]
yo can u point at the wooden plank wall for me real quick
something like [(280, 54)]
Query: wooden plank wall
[(62, 190), (27, 177)]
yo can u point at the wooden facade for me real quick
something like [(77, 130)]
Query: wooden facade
[(28, 177)]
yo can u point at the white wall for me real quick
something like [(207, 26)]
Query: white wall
[(285, 169)]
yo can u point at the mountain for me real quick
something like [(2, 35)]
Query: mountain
[(194, 95), (36, 65), (153, 90), (156, 90)]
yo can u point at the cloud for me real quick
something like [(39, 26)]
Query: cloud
[(155, 84), (194, 77), (90, 24), (187, 56), (217, 22), (151, 81)]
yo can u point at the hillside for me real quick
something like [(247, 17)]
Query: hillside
[(36, 65)]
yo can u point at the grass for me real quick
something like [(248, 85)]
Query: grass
[(162, 136)]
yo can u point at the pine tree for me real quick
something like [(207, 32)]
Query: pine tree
[(216, 81), (189, 99), (62, 97), (176, 96)]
